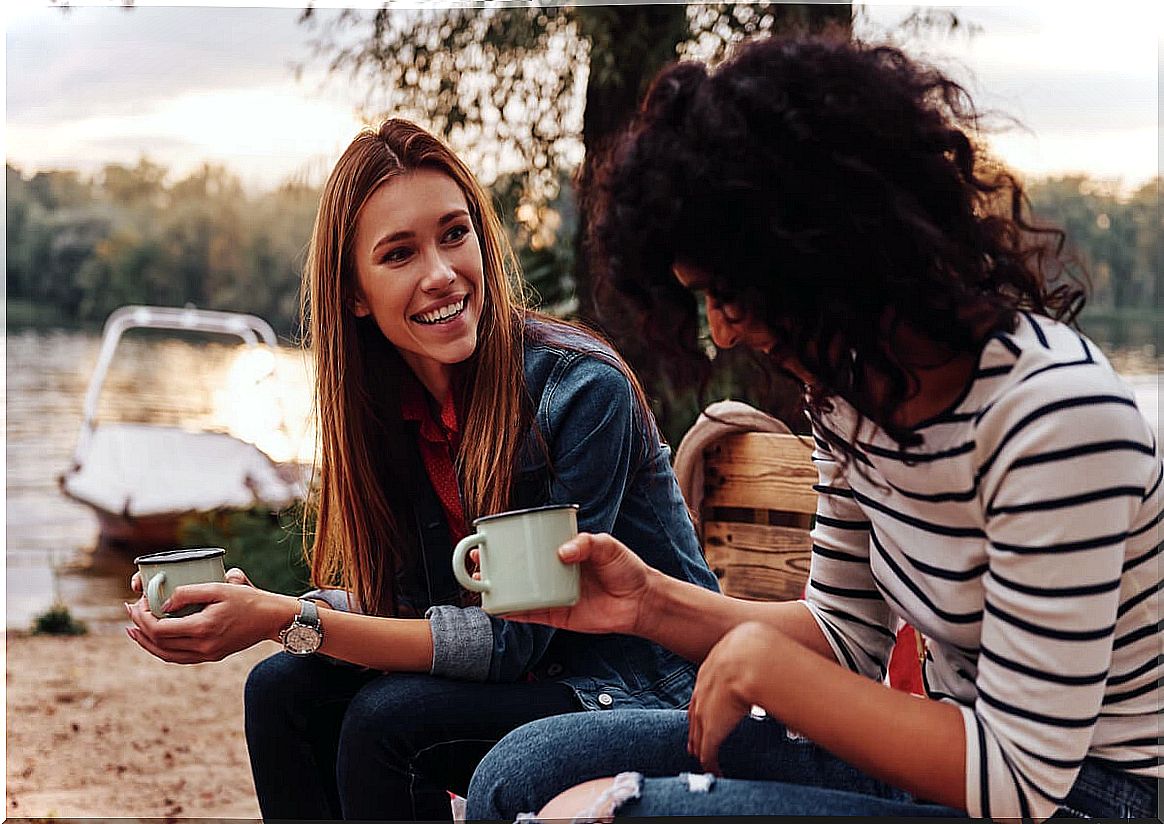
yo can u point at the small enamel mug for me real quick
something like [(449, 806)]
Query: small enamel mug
[(520, 568), (163, 572)]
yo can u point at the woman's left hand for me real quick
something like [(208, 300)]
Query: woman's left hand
[(731, 681), (235, 617)]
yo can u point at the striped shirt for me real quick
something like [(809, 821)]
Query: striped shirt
[(1023, 539)]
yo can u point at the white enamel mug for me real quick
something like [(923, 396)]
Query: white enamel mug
[(520, 568)]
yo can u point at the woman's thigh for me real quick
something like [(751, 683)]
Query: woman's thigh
[(703, 795), (533, 764), (289, 694), (412, 705), (437, 728)]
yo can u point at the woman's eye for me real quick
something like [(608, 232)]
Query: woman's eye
[(456, 233), (397, 255)]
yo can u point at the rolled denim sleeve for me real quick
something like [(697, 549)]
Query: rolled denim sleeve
[(462, 642), (588, 417)]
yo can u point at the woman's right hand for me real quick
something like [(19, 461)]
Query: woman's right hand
[(615, 584)]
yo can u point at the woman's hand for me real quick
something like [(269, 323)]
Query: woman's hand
[(615, 583), (730, 682), (237, 615), (234, 575)]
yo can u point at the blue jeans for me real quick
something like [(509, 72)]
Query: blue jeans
[(766, 772), (329, 740)]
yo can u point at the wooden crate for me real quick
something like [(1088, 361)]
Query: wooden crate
[(756, 513)]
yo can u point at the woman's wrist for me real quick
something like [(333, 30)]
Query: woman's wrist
[(657, 604), (276, 612)]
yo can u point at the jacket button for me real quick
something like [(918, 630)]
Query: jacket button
[(605, 699), (554, 669)]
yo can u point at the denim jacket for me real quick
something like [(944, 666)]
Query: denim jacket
[(610, 459)]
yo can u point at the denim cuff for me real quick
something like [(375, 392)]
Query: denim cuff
[(462, 642), (337, 599)]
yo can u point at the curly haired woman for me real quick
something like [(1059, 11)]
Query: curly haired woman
[(984, 474)]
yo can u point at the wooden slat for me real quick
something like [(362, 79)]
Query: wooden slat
[(756, 561), (760, 471)]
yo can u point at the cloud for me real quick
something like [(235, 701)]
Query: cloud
[(217, 82), (109, 61)]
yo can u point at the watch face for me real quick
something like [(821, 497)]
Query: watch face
[(301, 640)]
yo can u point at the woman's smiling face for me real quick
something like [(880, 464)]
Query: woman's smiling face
[(420, 273)]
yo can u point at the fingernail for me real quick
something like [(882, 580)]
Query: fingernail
[(568, 551), (166, 607), (128, 607)]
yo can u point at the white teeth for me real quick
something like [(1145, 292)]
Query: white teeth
[(443, 313)]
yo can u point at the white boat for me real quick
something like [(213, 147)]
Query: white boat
[(142, 479)]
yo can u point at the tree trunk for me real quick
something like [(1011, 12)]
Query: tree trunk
[(629, 44)]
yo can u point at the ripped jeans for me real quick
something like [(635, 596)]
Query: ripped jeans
[(768, 774)]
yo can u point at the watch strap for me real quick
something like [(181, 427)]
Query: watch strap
[(308, 613)]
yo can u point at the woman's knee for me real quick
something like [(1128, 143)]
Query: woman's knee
[(390, 717), (270, 686), (541, 759), (513, 778), (285, 686), (571, 803)]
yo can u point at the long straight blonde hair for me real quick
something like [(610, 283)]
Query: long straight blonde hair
[(365, 535)]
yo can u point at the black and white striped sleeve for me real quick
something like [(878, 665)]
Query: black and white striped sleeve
[(1057, 510), (841, 594)]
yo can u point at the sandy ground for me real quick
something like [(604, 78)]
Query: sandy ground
[(97, 728)]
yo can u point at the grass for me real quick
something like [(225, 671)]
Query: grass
[(267, 546), (57, 620)]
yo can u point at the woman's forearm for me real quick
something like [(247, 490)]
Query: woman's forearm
[(388, 644), (690, 620)]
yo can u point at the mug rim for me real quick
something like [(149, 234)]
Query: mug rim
[(170, 556), (495, 516)]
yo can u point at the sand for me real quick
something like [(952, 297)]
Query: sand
[(98, 728)]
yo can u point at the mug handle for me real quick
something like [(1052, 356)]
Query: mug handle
[(463, 576), (154, 594)]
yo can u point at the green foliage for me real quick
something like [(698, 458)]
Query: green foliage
[(85, 247), (543, 239), (57, 620), (1117, 240), (537, 86), (267, 546)]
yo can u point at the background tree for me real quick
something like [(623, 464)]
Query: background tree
[(535, 94)]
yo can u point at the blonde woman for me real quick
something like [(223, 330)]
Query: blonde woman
[(441, 398)]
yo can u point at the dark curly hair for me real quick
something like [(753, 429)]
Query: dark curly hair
[(834, 190)]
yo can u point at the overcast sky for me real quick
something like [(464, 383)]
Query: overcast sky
[(183, 85)]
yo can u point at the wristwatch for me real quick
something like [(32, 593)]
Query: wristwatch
[(305, 633)]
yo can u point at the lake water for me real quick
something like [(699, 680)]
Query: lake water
[(51, 542)]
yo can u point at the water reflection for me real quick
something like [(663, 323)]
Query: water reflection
[(256, 395)]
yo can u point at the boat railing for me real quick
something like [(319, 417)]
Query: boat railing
[(251, 329)]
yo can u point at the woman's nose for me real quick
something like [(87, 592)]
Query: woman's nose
[(440, 275), (723, 331)]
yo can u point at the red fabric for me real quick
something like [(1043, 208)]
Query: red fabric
[(439, 441), (905, 662)]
